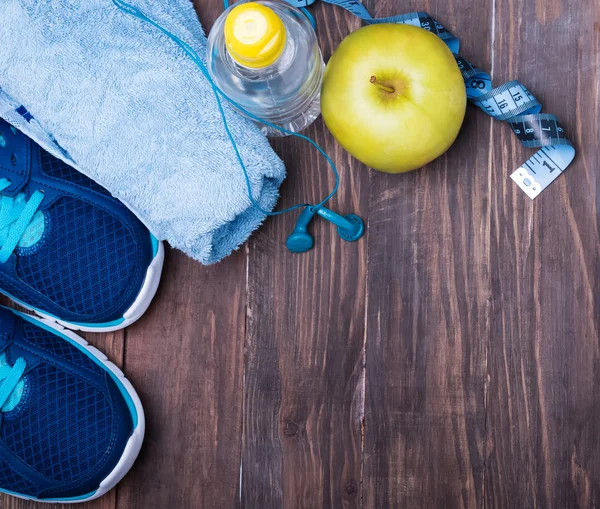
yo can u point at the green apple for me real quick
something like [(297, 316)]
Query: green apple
[(393, 96)]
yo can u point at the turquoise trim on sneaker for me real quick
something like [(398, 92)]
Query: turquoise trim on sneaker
[(122, 389), (114, 323), (155, 245), (70, 499)]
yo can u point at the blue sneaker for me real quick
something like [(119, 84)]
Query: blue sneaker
[(69, 250), (71, 424)]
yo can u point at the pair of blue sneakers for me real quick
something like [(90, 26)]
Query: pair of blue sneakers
[(71, 425)]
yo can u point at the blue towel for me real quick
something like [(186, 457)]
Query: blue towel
[(121, 102)]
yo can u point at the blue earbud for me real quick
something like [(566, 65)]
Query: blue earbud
[(350, 228), (300, 241)]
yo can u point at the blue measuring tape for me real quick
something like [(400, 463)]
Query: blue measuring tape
[(510, 102)]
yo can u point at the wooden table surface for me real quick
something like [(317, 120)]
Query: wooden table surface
[(448, 360)]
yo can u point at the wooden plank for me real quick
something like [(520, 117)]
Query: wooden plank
[(304, 356), (544, 393), (185, 357), (427, 319)]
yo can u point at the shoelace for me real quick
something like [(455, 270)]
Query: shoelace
[(16, 213), (8, 384)]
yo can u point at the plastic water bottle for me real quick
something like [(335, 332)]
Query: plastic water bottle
[(264, 56)]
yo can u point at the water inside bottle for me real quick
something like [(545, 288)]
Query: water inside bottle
[(285, 93)]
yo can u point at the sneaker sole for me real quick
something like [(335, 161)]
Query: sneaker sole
[(134, 444)]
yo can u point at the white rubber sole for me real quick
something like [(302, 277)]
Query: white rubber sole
[(137, 309), (134, 444)]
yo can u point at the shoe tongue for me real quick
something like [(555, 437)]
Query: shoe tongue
[(17, 393), (15, 158)]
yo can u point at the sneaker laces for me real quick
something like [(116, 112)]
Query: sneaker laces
[(12, 377), (16, 213)]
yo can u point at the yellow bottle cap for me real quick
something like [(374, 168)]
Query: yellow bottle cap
[(254, 35)]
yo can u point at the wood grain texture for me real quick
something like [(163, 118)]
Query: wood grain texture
[(427, 318), (304, 380), (450, 359), (544, 392), (186, 361)]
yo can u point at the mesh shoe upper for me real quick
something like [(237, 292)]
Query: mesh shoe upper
[(71, 424), (84, 256)]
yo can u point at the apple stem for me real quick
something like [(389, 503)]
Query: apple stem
[(389, 90)]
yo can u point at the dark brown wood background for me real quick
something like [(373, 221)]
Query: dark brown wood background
[(448, 360)]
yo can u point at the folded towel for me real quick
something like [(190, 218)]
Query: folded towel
[(121, 102)]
